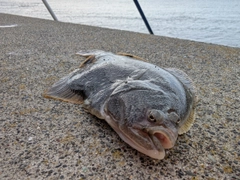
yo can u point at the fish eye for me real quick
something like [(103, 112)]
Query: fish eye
[(173, 116), (151, 118), (170, 110), (178, 121)]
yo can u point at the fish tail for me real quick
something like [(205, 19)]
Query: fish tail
[(62, 90)]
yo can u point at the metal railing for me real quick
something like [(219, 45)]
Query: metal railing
[(50, 10), (143, 16), (135, 1)]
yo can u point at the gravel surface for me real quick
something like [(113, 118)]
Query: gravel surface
[(46, 139)]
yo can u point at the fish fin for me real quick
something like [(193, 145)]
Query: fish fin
[(183, 78), (186, 81), (92, 56), (61, 90), (90, 59), (191, 97), (92, 52), (131, 56), (188, 123)]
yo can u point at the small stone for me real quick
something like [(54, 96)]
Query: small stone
[(211, 158), (227, 169), (190, 173)]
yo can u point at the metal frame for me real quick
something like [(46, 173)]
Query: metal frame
[(143, 16), (49, 10), (135, 1)]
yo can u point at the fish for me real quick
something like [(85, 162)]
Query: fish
[(147, 106)]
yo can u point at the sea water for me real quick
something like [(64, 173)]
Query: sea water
[(211, 21)]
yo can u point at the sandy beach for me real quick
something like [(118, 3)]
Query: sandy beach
[(46, 139)]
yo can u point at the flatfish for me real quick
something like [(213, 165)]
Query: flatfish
[(146, 105)]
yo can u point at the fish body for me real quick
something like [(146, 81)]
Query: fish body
[(146, 105)]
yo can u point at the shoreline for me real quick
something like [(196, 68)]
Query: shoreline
[(50, 19)]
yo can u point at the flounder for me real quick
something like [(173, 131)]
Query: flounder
[(146, 105)]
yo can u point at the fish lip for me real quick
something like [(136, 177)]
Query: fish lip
[(155, 153), (163, 138)]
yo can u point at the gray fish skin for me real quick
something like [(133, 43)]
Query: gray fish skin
[(146, 105)]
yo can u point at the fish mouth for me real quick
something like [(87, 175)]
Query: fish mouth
[(151, 141), (163, 138)]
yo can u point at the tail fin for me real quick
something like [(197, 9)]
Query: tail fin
[(61, 90)]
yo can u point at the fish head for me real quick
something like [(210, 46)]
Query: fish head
[(145, 120)]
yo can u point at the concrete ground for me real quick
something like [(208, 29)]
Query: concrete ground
[(47, 139)]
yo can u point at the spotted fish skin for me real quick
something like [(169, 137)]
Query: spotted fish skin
[(146, 105)]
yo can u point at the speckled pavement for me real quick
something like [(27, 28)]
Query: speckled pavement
[(46, 139)]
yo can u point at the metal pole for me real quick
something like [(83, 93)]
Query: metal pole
[(49, 10), (143, 16)]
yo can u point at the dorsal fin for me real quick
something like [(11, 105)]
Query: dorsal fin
[(131, 56), (92, 52), (183, 77), (192, 97), (90, 56), (90, 59), (93, 55)]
